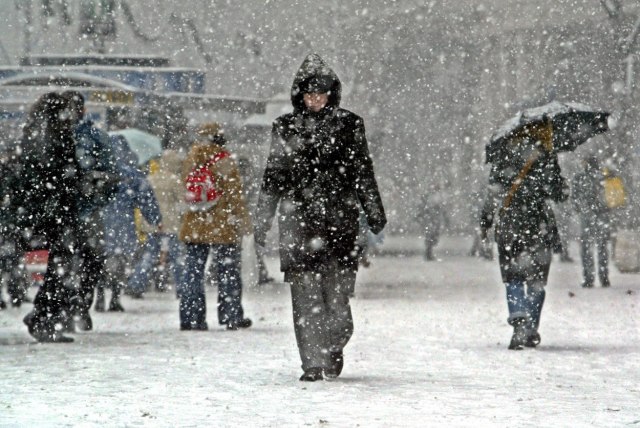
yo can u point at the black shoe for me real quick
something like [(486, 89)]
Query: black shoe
[(587, 284), (243, 323), (194, 327), (311, 375), (84, 322), (44, 332), (605, 282), (519, 336), (337, 363), (115, 306), (533, 340), (3, 305)]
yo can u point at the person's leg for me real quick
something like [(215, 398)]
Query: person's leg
[(93, 266), (338, 285), (193, 309), (176, 261), (51, 304), (603, 259), (17, 285), (587, 257), (227, 271), (309, 317), (139, 280)]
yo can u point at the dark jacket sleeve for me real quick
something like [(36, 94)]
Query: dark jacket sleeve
[(146, 200), (366, 185), (274, 182)]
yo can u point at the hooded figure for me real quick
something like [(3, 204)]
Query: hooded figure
[(320, 173)]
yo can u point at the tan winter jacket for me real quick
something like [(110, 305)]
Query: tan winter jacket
[(169, 190), (228, 220)]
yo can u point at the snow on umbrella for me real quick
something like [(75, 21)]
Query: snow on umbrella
[(573, 124), (146, 146)]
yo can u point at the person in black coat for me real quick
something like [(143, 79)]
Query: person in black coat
[(51, 183), (521, 183), (595, 223), (320, 173)]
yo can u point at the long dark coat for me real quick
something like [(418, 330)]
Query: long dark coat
[(588, 201), (526, 231), (320, 172)]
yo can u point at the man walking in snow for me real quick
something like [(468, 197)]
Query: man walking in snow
[(595, 224), (320, 173)]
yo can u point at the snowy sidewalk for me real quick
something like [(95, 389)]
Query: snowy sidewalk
[(429, 350)]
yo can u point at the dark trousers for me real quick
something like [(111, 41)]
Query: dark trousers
[(321, 312), (51, 305), (587, 240), (226, 270)]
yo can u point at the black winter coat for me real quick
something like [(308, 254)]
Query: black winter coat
[(320, 172), (528, 224)]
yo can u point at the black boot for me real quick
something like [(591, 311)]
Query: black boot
[(115, 306), (3, 305), (243, 323), (533, 339), (337, 363), (519, 337), (44, 331), (311, 375)]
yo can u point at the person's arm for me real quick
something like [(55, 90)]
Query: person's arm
[(366, 185), (274, 184), (145, 199)]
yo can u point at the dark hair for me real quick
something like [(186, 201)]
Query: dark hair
[(44, 113), (76, 102)]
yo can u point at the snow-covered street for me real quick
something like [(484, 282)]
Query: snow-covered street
[(429, 350)]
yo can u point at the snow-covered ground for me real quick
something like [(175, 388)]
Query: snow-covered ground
[(429, 350)]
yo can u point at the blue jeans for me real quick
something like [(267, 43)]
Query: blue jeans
[(150, 256), (226, 268), (525, 301)]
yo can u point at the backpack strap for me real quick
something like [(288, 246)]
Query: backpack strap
[(215, 158), (519, 180)]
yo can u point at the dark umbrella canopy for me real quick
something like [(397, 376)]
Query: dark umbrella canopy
[(573, 124)]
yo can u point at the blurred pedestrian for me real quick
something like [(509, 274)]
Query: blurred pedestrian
[(251, 192), (588, 196), (121, 240), (431, 215), (49, 188), (214, 222), (164, 247), (320, 173), (100, 183), (481, 246), (520, 185), (12, 242)]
